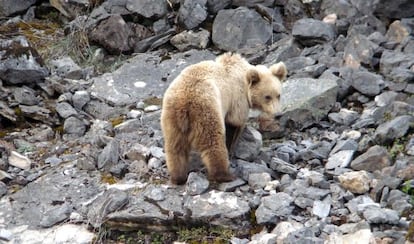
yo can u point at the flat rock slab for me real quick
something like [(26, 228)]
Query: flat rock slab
[(171, 209), (65, 186), (144, 75)]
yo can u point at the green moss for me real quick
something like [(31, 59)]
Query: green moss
[(108, 178), (117, 120), (397, 148)]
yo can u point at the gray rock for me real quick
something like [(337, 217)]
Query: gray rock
[(55, 215), (281, 166), (274, 207), (37, 113), (65, 110), (367, 83), (196, 184), (310, 32), (138, 152), (301, 108), (153, 42), (246, 168), (391, 130), (234, 29), (109, 155), (322, 208), (155, 193), (74, 126), (187, 40), (3, 188), (375, 215), (39, 196), (192, 13), (65, 67), (259, 180), (10, 7), (375, 158), (397, 10), (21, 64), (348, 144), (249, 144), (344, 116), (131, 125), (218, 207), (148, 8), (340, 159), (213, 6), (358, 51), (80, 98), (26, 96), (121, 87), (391, 60), (385, 98), (104, 34), (112, 200), (252, 3), (232, 185)]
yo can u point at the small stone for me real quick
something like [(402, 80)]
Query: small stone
[(272, 185), (322, 208), (18, 160), (5, 235), (155, 193), (264, 238), (393, 129), (355, 181), (80, 99), (196, 184), (232, 185), (128, 126), (55, 215), (376, 215), (341, 159), (151, 108), (138, 152), (375, 158), (385, 98), (26, 96), (154, 163), (189, 39), (134, 114), (283, 167), (74, 126), (274, 207), (344, 116), (65, 110), (259, 180)]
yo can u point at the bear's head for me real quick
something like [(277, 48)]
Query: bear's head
[(266, 87)]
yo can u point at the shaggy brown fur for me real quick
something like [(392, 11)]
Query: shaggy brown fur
[(203, 99)]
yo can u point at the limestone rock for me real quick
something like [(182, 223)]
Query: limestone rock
[(355, 181)]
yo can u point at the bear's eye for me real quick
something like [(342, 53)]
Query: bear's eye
[(268, 97), (278, 96)]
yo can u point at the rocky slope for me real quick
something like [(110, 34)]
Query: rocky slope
[(81, 157)]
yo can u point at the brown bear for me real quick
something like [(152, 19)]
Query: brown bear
[(203, 100)]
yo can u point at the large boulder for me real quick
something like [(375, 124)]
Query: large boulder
[(20, 62), (234, 29), (13, 7)]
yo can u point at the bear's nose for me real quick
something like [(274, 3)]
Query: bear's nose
[(278, 115)]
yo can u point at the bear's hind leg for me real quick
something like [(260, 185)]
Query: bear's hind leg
[(177, 162), (210, 141)]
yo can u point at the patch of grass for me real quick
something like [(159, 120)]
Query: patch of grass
[(397, 148), (108, 178), (409, 190), (215, 235)]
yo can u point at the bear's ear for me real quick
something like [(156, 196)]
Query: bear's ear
[(253, 76), (279, 70)]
